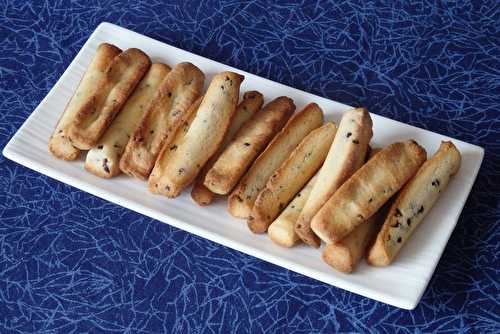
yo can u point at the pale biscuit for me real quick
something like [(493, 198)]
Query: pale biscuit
[(242, 198), (345, 254), (345, 156)]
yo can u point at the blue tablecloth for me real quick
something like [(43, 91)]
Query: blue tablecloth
[(70, 262)]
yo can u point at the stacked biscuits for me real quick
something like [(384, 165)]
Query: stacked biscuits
[(289, 174)]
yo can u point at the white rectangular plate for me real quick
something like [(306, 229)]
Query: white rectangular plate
[(402, 284)]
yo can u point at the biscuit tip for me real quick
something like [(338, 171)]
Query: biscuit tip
[(256, 226)]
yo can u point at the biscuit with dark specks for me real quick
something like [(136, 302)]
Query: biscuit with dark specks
[(60, 144), (414, 202), (243, 197), (166, 113), (290, 177), (367, 190), (96, 115), (251, 103), (248, 143), (177, 169), (104, 159), (345, 156)]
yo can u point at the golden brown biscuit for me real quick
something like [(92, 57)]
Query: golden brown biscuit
[(251, 103), (345, 254), (290, 177), (367, 190), (243, 196), (104, 159), (413, 203), (345, 156), (95, 116), (177, 168), (247, 145), (60, 144), (177, 92)]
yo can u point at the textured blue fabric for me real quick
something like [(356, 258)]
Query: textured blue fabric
[(70, 262)]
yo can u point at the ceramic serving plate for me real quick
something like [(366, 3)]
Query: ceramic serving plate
[(401, 284)]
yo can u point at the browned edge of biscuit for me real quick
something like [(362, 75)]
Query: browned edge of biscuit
[(93, 118), (165, 115), (60, 144)]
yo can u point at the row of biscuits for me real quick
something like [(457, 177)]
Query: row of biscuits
[(289, 174)]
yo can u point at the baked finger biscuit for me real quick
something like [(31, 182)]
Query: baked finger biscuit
[(282, 230), (251, 103), (167, 151), (367, 190), (60, 144), (177, 92), (95, 116), (178, 167), (290, 177), (346, 254), (413, 203), (242, 198), (104, 159), (346, 155), (248, 144)]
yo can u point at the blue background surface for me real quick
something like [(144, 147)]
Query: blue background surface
[(70, 262)]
